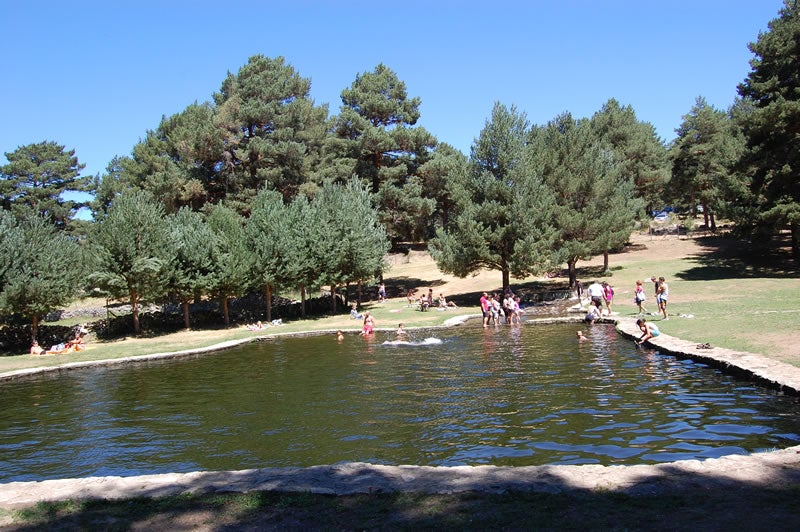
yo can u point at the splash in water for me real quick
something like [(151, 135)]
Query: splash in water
[(426, 341)]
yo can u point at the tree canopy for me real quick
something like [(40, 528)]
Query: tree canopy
[(36, 178), (503, 209), (41, 269), (772, 128), (375, 138), (132, 251), (703, 156), (594, 207)]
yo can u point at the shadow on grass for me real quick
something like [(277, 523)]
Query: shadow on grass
[(731, 258), (667, 497)]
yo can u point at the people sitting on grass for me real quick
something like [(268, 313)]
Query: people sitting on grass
[(422, 303), (77, 343), (36, 349), (257, 326), (444, 304)]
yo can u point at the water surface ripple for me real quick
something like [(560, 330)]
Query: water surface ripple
[(527, 395)]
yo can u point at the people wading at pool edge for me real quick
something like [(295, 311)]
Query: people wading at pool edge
[(649, 330)]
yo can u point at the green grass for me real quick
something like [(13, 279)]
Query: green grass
[(742, 508)]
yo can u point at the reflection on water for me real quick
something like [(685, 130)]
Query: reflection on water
[(524, 395)]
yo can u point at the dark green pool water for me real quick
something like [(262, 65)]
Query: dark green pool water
[(517, 396)]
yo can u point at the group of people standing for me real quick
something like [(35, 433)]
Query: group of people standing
[(600, 294), (661, 292), (495, 308)]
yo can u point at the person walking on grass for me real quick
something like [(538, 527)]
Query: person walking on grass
[(608, 296), (656, 291), (639, 297), (382, 292), (663, 292)]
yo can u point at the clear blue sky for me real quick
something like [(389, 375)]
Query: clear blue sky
[(96, 75)]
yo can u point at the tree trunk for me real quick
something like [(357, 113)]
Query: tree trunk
[(794, 229), (225, 316), (186, 322), (705, 215), (573, 274), (269, 302), (135, 312), (358, 294), (713, 221), (605, 261), (303, 302), (506, 279), (34, 327), (333, 295)]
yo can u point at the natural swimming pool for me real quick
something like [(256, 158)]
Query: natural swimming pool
[(526, 395)]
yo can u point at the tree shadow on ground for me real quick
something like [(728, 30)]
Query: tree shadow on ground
[(727, 257), (665, 497)]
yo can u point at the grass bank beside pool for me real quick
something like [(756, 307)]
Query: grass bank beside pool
[(716, 296), (387, 316)]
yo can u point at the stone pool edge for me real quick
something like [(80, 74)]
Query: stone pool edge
[(771, 469)]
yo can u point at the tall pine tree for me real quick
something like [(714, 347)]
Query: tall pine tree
[(36, 178), (375, 138), (772, 129)]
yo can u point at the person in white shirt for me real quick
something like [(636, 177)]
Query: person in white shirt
[(595, 292)]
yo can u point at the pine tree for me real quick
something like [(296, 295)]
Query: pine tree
[(503, 209), (193, 267), (132, 252), (354, 243), (594, 208), (36, 178), (772, 158), (375, 139), (638, 152), (271, 130), (231, 265), (266, 233), (43, 268), (702, 156)]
